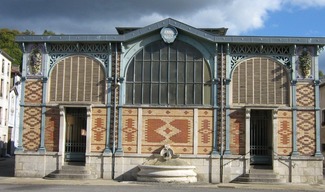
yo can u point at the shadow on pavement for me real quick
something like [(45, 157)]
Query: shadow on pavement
[(7, 167)]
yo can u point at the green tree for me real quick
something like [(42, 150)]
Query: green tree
[(320, 73), (46, 32), (8, 44)]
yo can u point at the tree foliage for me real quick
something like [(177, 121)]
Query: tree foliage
[(8, 44)]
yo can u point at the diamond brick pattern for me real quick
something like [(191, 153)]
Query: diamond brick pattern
[(205, 131), (284, 132), (130, 130), (52, 129), (305, 95), (237, 132), (167, 126), (33, 92), (32, 128), (306, 140), (98, 136)]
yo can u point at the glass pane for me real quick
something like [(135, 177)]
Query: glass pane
[(139, 56), (189, 72), (146, 93), (138, 94), (138, 71), (163, 94), (181, 54), (155, 71), (189, 94), (129, 93), (130, 73), (172, 94), (207, 75), (163, 71), (173, 72), (181, 72), (156, 54), (173, 54), (164, 53), (181, 94), (147, 71), (155, 94), (147, 53), (198, 94), (198, 71), (207, 94)]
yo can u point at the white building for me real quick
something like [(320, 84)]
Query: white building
[(5, 72), (13, 109)]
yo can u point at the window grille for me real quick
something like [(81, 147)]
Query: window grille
[(168, 74)]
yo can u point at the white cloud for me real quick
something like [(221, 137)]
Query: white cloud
[(306, 3)]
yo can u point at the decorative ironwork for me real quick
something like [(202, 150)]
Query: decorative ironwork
[(104, 58), (79, 48), (260, 49), (285, 60), (55, 57), (236, 59)]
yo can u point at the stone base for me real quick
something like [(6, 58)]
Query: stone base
[(167, 174)]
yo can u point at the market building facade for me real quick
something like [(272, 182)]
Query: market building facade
[(223, 103)]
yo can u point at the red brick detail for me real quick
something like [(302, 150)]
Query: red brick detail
[(151, 126)]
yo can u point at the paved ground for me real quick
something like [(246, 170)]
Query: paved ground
[(7, 177)]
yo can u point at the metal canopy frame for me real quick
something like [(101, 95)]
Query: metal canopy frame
[(179, 25)]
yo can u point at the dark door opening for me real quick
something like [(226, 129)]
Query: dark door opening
[(76, 128), (261, 137)]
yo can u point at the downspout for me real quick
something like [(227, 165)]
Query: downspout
[(114, 110), (109, 103), (221, 113)]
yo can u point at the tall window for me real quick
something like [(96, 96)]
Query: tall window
[(168, 74)]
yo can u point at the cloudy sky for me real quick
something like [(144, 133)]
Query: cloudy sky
[(243, 17)]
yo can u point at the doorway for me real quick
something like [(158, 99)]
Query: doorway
[(75, 139), (261, 137)]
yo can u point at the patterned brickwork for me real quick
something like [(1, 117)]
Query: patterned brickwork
[(130, 130), (32, 128), (167, 126), (237, 132), (33, 92), (305, 95), (52, 129), (205, 131), (284, 135), (98, 135), (306, 133)]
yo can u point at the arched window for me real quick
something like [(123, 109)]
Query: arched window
[(168, 74)]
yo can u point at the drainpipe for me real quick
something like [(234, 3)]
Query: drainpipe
[(109, 103), (221, 113), (114, 110)]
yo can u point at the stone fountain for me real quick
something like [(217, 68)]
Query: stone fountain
[(167, 168)]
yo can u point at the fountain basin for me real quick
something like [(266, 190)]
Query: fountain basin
[(167, 174)]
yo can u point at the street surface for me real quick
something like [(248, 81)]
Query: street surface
[(124, 188)]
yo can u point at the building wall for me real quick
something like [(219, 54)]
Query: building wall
[(5, 71)]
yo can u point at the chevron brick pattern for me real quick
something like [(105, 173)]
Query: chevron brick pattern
[(52, 129), (205, 131), (237, 132), (305, 95), (98, 136), (33, 92), (130, 130), (284, 135), (32, 128), (167, 126), (306, 141)]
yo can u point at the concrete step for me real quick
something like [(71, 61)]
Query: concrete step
[(260, 174), (72, 172)]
